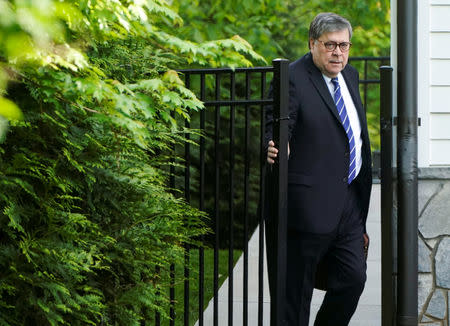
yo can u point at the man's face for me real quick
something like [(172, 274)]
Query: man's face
[(330, 63)]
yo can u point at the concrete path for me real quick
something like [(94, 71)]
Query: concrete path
[(369, 308)]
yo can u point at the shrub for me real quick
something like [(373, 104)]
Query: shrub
[(86, 216)]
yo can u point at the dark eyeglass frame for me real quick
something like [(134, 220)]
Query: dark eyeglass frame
[(331, 45)]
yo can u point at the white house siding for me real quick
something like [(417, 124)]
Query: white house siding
[(437, 91), (423, 77)]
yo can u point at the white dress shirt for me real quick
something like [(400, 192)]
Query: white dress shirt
[(352, 115)]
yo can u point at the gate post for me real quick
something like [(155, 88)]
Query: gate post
[(387, 256), (280, 172)]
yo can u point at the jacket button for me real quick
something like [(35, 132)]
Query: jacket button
[(346, 154), (345, 179)]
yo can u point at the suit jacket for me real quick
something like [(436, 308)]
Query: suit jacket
[(319, 150)]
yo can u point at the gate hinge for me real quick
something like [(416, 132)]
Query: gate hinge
[(282, 118)]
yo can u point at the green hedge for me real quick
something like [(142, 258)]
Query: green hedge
[(85, 212)]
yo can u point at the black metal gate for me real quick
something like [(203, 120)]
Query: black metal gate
[(222, 174)]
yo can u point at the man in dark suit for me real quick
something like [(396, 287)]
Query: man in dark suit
[(329, 176)]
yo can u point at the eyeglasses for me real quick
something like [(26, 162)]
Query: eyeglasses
[(331, 46)]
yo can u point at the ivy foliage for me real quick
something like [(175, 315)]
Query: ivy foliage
[(88, 105)]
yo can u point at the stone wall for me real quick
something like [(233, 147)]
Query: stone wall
[(434, 246)]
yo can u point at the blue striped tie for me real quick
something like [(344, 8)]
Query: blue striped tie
[(340, 105)]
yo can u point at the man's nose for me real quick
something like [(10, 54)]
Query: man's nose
[(337, 50)]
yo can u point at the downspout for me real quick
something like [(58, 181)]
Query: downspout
[(407, 193)]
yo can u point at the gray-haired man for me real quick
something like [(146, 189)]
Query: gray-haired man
[(329, 176)]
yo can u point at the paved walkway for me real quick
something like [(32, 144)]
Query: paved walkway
[(369, 308)]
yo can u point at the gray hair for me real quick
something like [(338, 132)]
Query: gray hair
[(326, 22)]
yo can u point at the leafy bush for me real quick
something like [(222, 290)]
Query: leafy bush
[(86, 216)]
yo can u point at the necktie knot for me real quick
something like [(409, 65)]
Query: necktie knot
[(335, 82)]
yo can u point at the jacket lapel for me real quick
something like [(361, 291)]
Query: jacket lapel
[(319, 83), (354, 92)]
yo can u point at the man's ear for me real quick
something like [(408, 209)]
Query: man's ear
[(310, 44)]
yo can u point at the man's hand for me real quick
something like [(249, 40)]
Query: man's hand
[(366, 244), (272, 152)]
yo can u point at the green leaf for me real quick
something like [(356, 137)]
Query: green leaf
[(10, 110)]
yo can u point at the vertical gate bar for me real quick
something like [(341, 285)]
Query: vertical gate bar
[(201, 252), (387, 271), (365, 84), (216, 202), (246, 195), (172, 266), (172, 295), (157, 314), (231, 201), (280, 136), (186, 284), (187, 195), (261, 208)]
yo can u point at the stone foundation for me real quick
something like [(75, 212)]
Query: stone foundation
[(434, 246)]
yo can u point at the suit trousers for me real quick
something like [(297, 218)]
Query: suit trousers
[(342, 249)]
